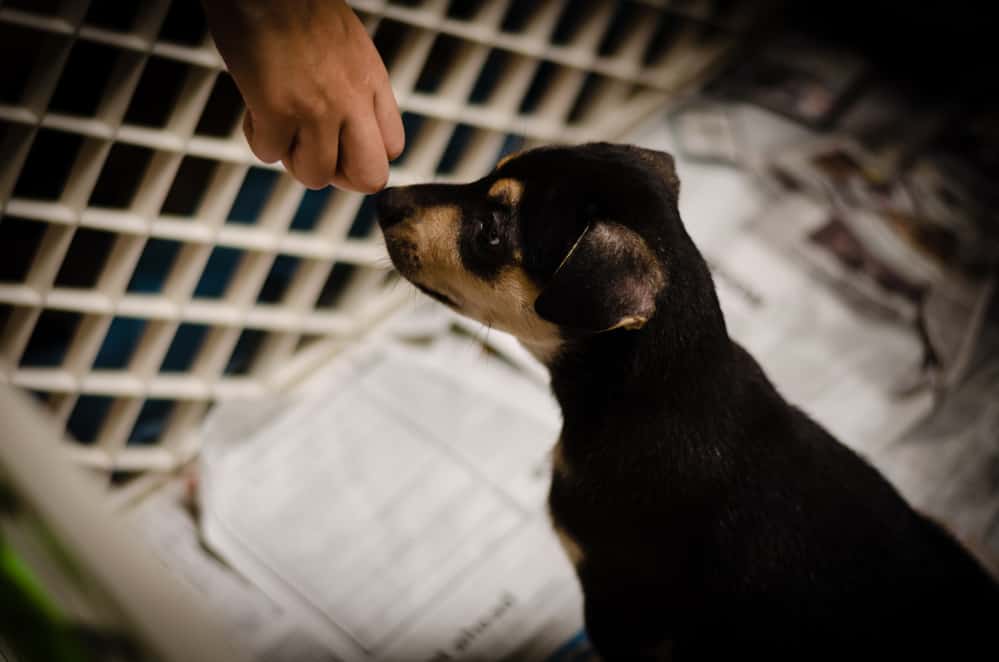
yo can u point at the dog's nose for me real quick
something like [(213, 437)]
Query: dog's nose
[(391, 205)]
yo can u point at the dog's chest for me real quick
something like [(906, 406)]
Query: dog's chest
[(581, 518), (559, 501), (572, 546), (588, 527), (601, 511)]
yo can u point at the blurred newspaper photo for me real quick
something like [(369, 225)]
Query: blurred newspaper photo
[(908, 183), (706, 130), (795, 77), (886, 242)]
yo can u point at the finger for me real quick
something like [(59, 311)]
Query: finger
[(268, 137), (362, 155), (342, 182), (313, 158), (389, 121)]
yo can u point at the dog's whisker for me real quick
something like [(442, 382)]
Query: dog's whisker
[(484, 340)]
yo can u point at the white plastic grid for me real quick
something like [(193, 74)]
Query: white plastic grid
[(149, 264)]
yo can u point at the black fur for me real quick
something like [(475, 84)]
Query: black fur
[(714, 517)]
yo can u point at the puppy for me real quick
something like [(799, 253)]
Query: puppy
[(705, 515)]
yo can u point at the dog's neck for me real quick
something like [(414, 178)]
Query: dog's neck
[(679, 360), (638, 365), (545, 351)]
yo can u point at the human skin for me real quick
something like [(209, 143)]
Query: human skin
[(317, 94)]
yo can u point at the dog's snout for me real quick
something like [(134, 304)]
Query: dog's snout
[(392, 206)]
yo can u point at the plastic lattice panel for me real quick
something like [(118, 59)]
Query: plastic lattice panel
[(149, 265)]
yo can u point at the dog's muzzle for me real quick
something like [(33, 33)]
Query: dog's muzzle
[(392, 207), (391, 210)]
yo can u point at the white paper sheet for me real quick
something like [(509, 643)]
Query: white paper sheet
[(399, 513)]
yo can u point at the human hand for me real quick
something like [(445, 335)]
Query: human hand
[(317, 94)]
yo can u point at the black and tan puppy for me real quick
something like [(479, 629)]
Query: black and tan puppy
[(704, 514)]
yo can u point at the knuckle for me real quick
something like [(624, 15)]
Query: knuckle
[(317, 178), (372, 181), (308, 104), (310, 177), (264, 154), (277, 106), (267, 157)]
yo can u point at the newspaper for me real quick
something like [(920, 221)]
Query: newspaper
[(169, 521), (890, 247), (796, 77), (397, 512), (946, 465), (706, 130), (910, 228)]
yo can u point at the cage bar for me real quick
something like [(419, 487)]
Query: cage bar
[(164, 268)]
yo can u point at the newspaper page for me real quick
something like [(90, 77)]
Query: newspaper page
[(907, 183), (890, 242), (168, 519), (398, 511)]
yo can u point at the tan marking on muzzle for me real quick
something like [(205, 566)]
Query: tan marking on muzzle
[(505, 302), (434, 230), (508, 190)]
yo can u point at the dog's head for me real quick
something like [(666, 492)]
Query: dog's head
[(556, 242)]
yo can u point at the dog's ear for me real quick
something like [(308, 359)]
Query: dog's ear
[(609, 280), (661, 163)]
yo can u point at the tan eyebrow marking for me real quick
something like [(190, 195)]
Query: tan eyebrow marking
[(506, 159), (507, 189)]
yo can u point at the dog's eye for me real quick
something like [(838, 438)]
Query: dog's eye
[(490, 239), (489, 235)]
